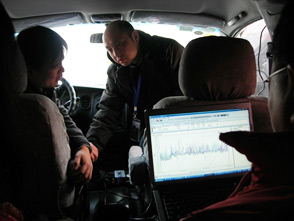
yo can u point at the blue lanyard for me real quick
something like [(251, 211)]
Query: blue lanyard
[(136, 97)]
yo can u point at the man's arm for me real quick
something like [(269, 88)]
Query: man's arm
[(76, 136), (110, 110)]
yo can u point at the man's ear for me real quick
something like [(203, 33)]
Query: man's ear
[(291, 75), (32, 74), (291, 82), (30, 70), (135, 36)]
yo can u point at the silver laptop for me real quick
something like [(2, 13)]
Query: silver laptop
[(185, 153)]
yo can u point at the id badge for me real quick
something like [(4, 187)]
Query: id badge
[(135, 130)]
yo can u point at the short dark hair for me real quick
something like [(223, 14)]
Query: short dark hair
[(123, 26), (283, 41), (40, 46)]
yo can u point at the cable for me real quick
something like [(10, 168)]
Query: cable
[(258, 60), (262, 71), (105, 179), (145, 219), (146, 210), (140, 216), (121, 195)]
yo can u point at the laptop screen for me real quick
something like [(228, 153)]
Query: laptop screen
[(184, 143)]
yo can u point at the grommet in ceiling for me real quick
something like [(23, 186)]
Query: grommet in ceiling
[(235, 19)]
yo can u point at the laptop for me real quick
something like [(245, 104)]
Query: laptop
[(186, 157)]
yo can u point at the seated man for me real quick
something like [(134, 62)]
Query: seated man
[(269, 196), (35, 154), (43, 50)]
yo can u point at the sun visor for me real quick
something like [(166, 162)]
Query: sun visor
[(177, 18), (51, 21), (106, 18)]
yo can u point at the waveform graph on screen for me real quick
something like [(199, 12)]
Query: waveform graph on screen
[(196, 147), (188, 151)]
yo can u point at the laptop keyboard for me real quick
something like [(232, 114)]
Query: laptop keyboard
[(180, 204)]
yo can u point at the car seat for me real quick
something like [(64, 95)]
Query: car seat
[(35, 149), (215, 70), (218, 70)]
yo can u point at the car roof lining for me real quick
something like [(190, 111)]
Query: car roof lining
[(51, 21), (194, 11), (177, 18)]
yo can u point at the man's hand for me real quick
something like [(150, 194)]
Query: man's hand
[(83, 164), (94, 154)]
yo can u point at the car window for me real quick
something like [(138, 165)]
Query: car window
[(86, 63), (258, 35)]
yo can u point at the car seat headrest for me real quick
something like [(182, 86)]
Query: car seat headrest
[(14, 72), (218, 68)]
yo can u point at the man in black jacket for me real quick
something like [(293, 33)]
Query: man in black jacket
[(144, 70)]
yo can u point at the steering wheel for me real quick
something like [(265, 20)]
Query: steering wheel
[(66, 95)]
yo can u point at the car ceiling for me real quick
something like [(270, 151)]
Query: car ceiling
[(222, 13)]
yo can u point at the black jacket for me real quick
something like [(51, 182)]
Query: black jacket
[(158, 67)]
